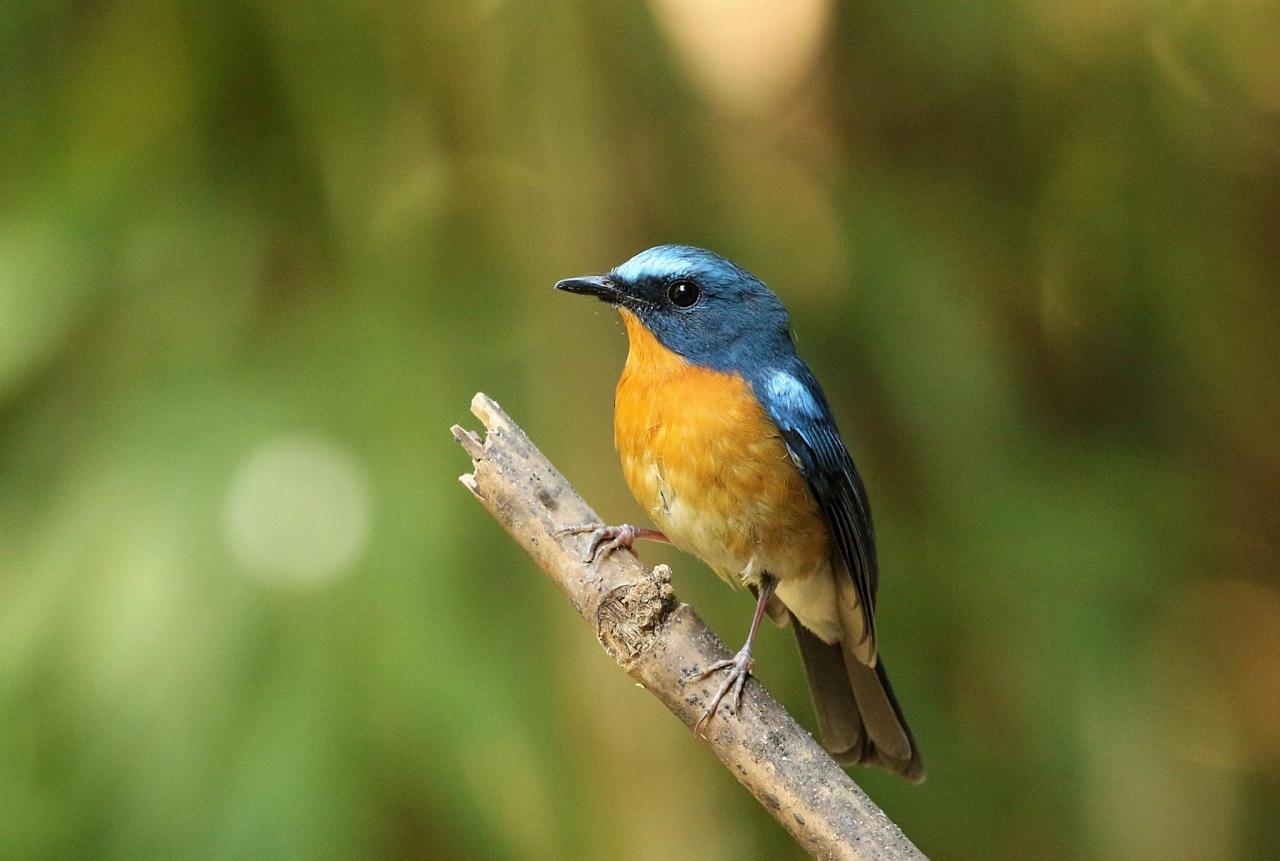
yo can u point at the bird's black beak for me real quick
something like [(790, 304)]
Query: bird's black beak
[(600, 286)]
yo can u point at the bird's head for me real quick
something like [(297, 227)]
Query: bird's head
[(695, 302)]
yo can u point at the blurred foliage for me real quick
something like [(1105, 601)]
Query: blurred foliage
[(256, 257)]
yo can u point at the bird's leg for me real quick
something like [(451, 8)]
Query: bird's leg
[(741, 664), (606, 539)]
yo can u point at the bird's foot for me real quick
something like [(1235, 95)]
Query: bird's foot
[(740, 667), (606, 539)]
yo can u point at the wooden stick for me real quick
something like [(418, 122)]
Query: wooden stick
[(662, 644)]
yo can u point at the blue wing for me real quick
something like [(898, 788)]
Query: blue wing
[(798, 407)]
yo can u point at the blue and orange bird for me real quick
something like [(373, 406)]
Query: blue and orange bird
[(728, 442)]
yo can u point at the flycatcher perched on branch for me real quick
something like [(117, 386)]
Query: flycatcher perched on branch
[(728, 442)]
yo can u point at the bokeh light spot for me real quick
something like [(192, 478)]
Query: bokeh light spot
[(746, 55), (298, 511)]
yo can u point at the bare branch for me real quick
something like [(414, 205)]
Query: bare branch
[(662, 643)]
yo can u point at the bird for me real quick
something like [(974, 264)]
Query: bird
[(729, 443)]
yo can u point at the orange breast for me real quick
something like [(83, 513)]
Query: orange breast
[(701, 455)]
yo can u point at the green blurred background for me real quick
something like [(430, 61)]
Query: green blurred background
[(256, 257)]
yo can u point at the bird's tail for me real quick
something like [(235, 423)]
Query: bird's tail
[(858, 716)]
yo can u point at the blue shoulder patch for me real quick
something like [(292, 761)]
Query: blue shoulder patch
[(787, 393)]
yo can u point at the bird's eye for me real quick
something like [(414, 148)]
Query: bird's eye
[(683, 294)]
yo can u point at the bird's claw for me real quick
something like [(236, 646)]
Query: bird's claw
[(740, 667), (604, 539)]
